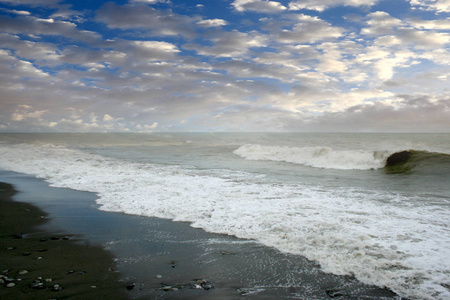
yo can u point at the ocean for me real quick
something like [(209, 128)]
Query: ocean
[(328, 197)]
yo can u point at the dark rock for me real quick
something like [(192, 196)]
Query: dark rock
[(17, 236), (334, 293), (42, 250), (173, 263), (131, 286), (398, 158), (42, 240), (26, 254), (54, 238)]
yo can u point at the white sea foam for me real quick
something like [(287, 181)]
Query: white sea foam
[(320, 157), (376, 236)]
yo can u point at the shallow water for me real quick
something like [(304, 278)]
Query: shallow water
[(327, 197), (149, 248)]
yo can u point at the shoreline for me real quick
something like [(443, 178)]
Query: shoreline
[(38, 264), (163, 259)]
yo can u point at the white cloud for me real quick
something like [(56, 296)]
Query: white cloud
[(212, 22), (325, 4), (259, 6), (440, 6), (442, 24), (307, 29)]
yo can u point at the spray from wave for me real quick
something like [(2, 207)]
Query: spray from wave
[(328, 158)]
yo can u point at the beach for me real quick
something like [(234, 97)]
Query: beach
[(38, 264), (148, 258)]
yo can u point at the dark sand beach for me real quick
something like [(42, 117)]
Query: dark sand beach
[(36, 264), (154, 258)]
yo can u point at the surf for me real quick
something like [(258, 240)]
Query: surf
[(329, 158)]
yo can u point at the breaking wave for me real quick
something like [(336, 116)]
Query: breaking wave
[(328, 158)]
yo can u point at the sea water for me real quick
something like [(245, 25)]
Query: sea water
[(327, 197)]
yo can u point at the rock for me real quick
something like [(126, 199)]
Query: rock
[(42, 250), (167, 288), (159, 276), (173, 263), (2, 281), (131, 286), (42, 240), (55, 238), (174, 289), (23, 272), (70, 272), (17, 236), (66, 237), (334, 293), (37, 285), (11, 284), (57, 288), (10, 248), (48, 280), (26, 254), (398, 158)]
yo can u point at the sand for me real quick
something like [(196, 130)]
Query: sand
[(30, 256)]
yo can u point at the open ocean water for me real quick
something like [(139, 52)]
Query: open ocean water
[(327, 197)]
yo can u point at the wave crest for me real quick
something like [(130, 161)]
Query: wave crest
[(319, 157)]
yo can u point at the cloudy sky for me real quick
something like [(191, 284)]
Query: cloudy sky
[(225, 65)]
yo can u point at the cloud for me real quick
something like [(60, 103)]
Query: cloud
[(301, 28), (440, 6), (258, 6), (212, 22), (32, 2), (325, 4), (37, 26), (143, 17), (229, 44)]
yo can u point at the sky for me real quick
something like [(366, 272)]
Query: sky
[(225, 65)]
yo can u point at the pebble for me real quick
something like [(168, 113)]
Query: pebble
[(93, 286), (131, 286), (48, 280), (26, 254), (40, 257), (37, 285), (11, 284), (159, 276), (167, 288), (57, 287), (23, 272)]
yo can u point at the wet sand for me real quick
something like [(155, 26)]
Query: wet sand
[(36, 264), (161, 258)]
